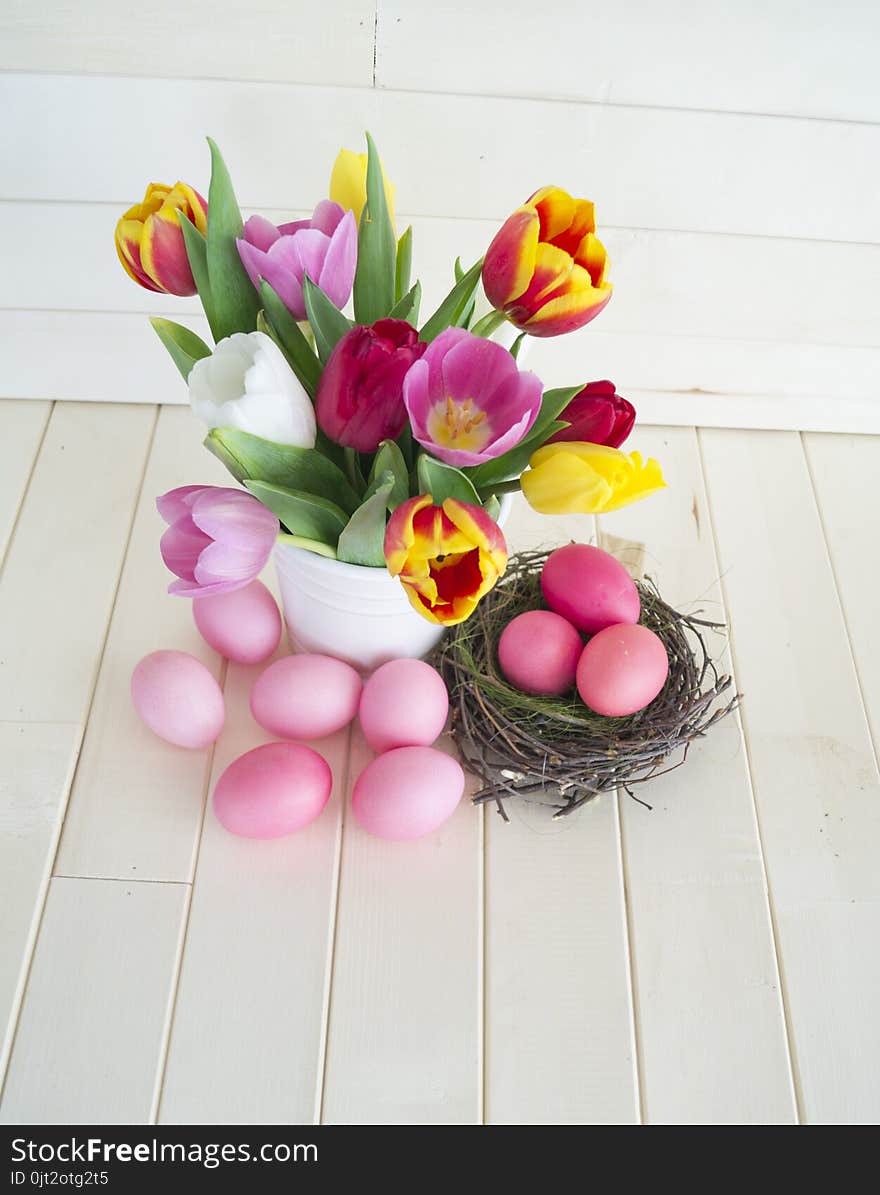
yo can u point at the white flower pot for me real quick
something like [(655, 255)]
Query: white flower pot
[(361, 615)]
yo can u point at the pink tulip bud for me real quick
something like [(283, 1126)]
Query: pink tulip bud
[(360, 395)]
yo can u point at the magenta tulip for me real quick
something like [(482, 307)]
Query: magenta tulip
[(360, 395), (467, 401), (218, 539), (597, 415), (324, 247)]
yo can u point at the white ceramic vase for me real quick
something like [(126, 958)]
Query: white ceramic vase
[(361, 615)]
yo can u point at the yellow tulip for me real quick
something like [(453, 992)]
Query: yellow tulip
[(572, 477), (348, 183)]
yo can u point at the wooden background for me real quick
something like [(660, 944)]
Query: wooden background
[(734, 156)]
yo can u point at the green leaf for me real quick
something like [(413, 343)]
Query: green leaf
[(309, 545), (363, 540), (306, 515), (184, 345), (442, 481), (492, 508), (328, 322), (286, 331), (197, 253), (454, 306), (390, 459), (374, 280), (408, 307), (404, 264), (517, 345), (250, 457), (464, 320), (512, 464), (233, 297)]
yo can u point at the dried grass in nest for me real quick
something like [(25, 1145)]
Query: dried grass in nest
[(555, 750)]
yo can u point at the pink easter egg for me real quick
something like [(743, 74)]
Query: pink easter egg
[(272, 790), (408, 792), (621, 670), (243, 625), (178, 698), (590, 588), (306, 696), (404, 704), (539, 651)]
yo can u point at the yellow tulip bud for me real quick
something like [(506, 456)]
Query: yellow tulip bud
[(348, 183), (572, 477)]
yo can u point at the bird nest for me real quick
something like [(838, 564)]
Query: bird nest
[(554, 750)]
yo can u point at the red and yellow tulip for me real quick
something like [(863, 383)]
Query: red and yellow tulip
[(546, 268), (150, 243), (447, 557), (580, 478)]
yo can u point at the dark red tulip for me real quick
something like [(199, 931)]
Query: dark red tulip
[(597, 415)]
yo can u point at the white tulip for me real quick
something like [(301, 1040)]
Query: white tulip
[(247, 384)]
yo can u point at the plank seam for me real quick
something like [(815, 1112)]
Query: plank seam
[(52, 853), (333, 925), (794, 1072), (174, 987), (872, 735), (27, 485), (482, 965), (638, 1058)]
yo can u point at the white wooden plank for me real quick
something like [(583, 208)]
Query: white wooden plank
[(91, 1028), (779, 57), (814, 771), (24, 424), (62, 567), (844, 472), (559, 1024), (404, 1034), (38, 761), (269, 40), (712, 1034), (732, 173), (672, 380), (136, 807), (248, 1027), (666, 283)]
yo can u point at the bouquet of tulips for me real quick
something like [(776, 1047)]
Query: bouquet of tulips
[(358, 429)]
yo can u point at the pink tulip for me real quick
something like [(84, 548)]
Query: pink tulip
[(324, 247), (218, 539), (467, 401), (597, 415), (360, 395)]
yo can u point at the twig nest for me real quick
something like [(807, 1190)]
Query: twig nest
[(554, 749)]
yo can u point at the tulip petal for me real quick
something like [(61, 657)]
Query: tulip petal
[(163, 254), (327, 217), (565, 485), (261, 233), (556, 210), (510, 259), (340, 260), (181, 546), (225, 561), (568, 312), (177, 504), (234, 517)]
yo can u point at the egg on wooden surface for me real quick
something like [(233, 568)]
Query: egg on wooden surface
[(538, 652), (407, 792), (590, 588), (404, 704), (621, 670), (244, 625), (178, 698), (306, 696), (272, 790)]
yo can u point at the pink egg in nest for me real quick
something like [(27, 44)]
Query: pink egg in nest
[(178, 698), (621, 670), (244, 625), (590, 588), (538, 653), (404, 704), (272, 790)]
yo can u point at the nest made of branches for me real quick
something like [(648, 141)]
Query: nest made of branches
[(556, 750)]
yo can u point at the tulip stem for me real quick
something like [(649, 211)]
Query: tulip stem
[(506, 487), (488, 324)]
